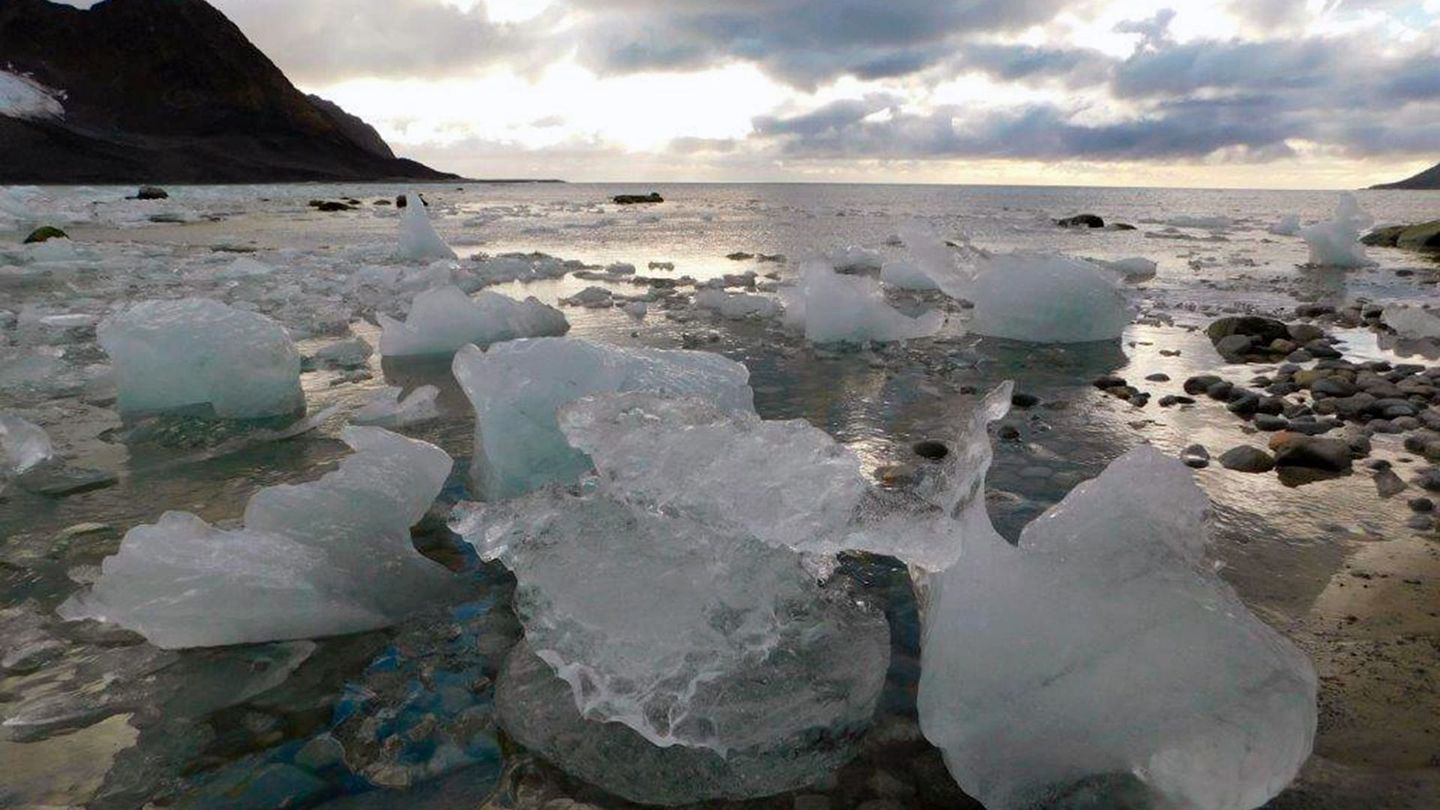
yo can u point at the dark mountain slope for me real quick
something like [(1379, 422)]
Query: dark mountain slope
[(170, 91), (1428, 179)]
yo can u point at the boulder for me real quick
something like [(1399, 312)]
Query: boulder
[(633, 199), (1081, 221), (151, 193), (1263, 330), (1313, 452), (1425, 236), (45, 233), (1247, 459)]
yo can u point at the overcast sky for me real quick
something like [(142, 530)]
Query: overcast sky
[(1289, 93)]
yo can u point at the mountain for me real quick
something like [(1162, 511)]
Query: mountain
[(1426, 180), (165, 91)]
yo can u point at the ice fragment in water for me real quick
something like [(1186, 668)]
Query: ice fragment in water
[(1413, 321), (517, 387), (323, 558), (1336, 242), (23, 445), (389, 411), (831, 307), (1132, 270), (418, 240), (1288, 225), (1047, 298), (737, 306), (443, 319), (1105, 649), (169, 355)]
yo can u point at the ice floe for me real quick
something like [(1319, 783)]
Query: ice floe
[(1047, 298), (442, 319), (832, 307), (418, 239), (323, 558), (1336, 242)]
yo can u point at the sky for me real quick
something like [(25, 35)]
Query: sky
[(1203, 93)]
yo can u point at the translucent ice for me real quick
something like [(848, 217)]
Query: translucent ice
[(444, 318), (1288, 225), (1105, 651), (786, 483), (737, 305), (387, 410), (1132, 270), (517, 387), (418, 240), (195, 351), (1047, 298), (1413, 321), (1336, 242), (323, 558), (832, 307), (23, 445)]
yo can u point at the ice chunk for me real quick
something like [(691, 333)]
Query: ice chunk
[(1047, 298), (23, 445), (1413, 321), (1105, 651), (1132, 270), (517, 387), (418, 240), (786, 483), (322, 558), (387, 410), (831, 308), (443, 319), (244, 268), (928, 264), (196, 351), (1288, 225), (1336, 242), (737, 306), (855, 259)]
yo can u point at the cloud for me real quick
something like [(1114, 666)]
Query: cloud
[(319, 42), (801, 42)]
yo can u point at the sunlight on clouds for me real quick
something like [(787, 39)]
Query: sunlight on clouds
[(637, 113)]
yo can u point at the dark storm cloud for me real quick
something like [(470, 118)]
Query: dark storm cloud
[(802, 42), (323, 41), (1076, 67)]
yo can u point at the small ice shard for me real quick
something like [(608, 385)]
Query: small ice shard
[(1047, 298), (418, 240), (1104, 651), (907, 274), (737, 306), (1412, 321), (443, 319), (323, 558), (517, 387), (928, 264), (24, 445), (832, 308), (1336, 242), (347, 354), (387, 410), (1288, 225), (1132, 270), (191, 352), (853, 259)]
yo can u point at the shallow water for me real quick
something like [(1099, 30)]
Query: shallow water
[(131, 723)]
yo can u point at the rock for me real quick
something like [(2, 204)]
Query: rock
[(56, 480), (1234, 347), (1244, 403), (1321, 349), (151, 193), (1159, 376), (45, 233), (1247, 459), (1008, 432), (1220, 390), (633, 199), (1171, 400), (1388, 484), (1081, 221), (1270, 423), (1387, 236), (400, 201), (1195, 456), (1303, 333), (1122, 226), (1333, 387), (1329, 455), (1313, 310), (1109, 381), (1425, 236), (1422, 504), (931, 450), (1021, 400), (1263, 330), (330, 206), (1200, 384)]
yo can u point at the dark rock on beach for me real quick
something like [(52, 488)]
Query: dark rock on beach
[(1081, 221), (45, 234), (636, 199)]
